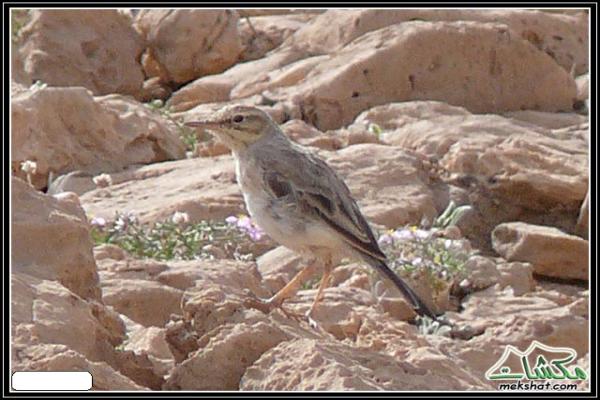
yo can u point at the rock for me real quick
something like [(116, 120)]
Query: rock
[(77, 182), (562, 37), (485, 59), (147, 303), (188, 44), (51, 240), (67, 129), (220, 364), (154, 88), (548, 120), (97, 49), (526, 168), (552, 252), (55, 357), (203, 188), (278, 266), (517, 275), (376, 174), (481, 272), (234, 275), (151, 341), (210, 89), (313, 364), (516, 321), (46, 312), (262, 34), (285, 76)]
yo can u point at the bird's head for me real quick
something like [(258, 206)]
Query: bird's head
[(237, 126)]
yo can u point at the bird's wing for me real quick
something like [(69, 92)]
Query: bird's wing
[(313, 186)]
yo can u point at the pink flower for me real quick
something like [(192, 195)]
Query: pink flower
[(385, 239)]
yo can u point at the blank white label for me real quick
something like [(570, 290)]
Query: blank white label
[(38, 380)]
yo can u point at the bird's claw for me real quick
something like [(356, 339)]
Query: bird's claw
[(268, 305)]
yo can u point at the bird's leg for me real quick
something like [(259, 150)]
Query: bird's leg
[(292, 287), (319, 296), (286, 292)]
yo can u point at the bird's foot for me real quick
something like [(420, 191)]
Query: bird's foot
[(268, 305)]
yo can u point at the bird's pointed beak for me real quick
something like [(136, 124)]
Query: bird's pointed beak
[(202, 124)]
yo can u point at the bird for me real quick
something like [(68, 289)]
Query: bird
[(299, 201)]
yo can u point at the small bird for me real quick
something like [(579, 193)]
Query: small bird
[(299, 201)]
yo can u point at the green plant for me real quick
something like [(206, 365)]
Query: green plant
[(175, 238), (428, 326), (186, 134), (18, 19), (413, 250), (451, 215), (375, 129)]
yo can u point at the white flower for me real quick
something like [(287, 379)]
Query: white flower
[(422, 234), (103, 180), (29, 167), (180, 218), (417, 261), (403, 234), (98, 222)]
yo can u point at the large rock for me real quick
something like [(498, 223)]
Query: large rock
[(186, 44), (96, 49), (546, 315), (390, 184), (65, 129), (44, 311), (262, 34), (204, 188), (563, 37), (316, 364), (535, 166), (145, 302), (216, 88), (480, 66), (55, 357), (51, 240), (552, 252), (220, 363)]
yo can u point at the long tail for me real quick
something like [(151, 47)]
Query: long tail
[(418, 304)]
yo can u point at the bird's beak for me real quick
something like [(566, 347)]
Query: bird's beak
[(202, 124)]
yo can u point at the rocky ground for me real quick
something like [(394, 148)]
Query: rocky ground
[(480, 113)]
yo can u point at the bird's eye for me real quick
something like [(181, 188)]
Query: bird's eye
[(238, 118)]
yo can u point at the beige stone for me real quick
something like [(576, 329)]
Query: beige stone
[(146, 302), (512, 169), (261, 34), (55, 357), (203, 188), (67, 129), (550, 251), (50, 240), (97, 49), (46, 312), (188, 44), (215, 88), (220, 364), (313, 364), (563, 37), (489, 70), (516, 321)]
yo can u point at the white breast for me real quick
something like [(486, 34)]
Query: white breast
[(289, 230)]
